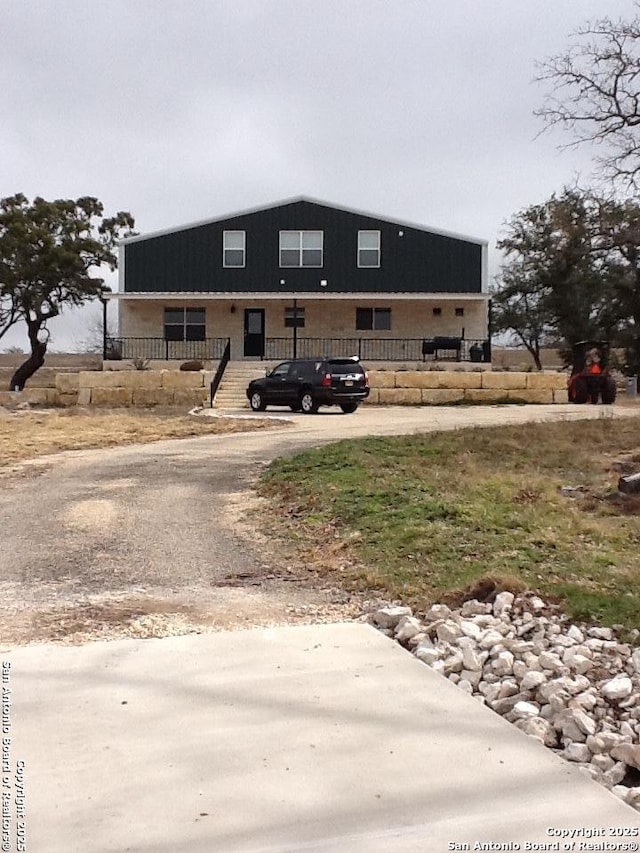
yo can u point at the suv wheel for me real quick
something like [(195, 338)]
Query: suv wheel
[(348, 408), (307, 403), (256, 402)]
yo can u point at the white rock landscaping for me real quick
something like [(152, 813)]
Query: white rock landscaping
[(575, 688)]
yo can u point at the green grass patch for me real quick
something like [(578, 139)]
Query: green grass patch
[(423, 517)]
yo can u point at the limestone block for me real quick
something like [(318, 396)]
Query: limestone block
[(442, 396), (374, 397), (45, 377), (417, 379), (152, 397), (382, 378), (39, 396), (460, 379), (66, 382), (69, 399), (10, 398), (561, 396), (147, 379), (100, 379), (485, 396), (547, 381), (190, 396), (400, 396), (526, 396), (504, 380), (175, 379), (84, 396), (111, 396)]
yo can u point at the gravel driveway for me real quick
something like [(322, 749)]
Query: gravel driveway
[(150, 540)]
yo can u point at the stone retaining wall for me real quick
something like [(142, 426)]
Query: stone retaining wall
[(116, 389), (447, 387), (388, 387)]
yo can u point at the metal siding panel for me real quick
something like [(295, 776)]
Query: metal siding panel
[(191, 260)]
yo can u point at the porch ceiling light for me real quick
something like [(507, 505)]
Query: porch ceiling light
[(323, 282)]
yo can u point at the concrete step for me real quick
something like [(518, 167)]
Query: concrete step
[(231, 393)]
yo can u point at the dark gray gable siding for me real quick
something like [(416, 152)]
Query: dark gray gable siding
[(191, 259)]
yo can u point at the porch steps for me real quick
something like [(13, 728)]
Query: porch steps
[(232, 393)]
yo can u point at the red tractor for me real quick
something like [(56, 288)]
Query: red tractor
[(590, 380)]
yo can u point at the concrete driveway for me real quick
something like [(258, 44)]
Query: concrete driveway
[(151, 539), (324, 738)]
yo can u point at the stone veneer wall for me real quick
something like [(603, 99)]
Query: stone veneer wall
[(388, 387)]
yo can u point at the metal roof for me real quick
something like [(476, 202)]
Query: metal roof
[(311, 200)]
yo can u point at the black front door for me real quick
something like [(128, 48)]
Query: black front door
[(254, 331)]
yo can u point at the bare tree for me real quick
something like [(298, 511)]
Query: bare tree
[(93, 339), (595, 94)]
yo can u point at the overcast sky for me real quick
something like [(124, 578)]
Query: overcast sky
[(179, 111)]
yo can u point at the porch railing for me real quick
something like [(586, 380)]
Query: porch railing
[(439, 348), (159, 349)]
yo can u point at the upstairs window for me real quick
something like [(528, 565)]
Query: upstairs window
[(233, 248), (373, 319), (184, 324), (301, 248), (368, 248)]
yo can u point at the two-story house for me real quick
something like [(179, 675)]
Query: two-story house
[(301, 277)]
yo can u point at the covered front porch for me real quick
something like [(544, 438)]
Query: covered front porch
[(390, 328)]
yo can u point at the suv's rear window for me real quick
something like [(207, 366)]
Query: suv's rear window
[(342, 368)]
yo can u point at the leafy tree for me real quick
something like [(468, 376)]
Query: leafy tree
[(595, 93), (518, 304), (619, 247), (48, 250), (550, 288)]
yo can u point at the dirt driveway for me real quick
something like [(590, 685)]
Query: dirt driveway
[(150, 540)]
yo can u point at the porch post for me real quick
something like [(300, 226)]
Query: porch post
[(104, 328), (295, 328), (488, 355)]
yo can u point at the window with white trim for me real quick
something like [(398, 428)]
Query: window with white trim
[(373, 319), (185, 324), (301, 248), (233, 248), (368, 248)]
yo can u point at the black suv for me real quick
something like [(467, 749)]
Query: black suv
[(303, 384)]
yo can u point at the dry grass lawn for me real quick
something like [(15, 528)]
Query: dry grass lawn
[(28, 435)]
